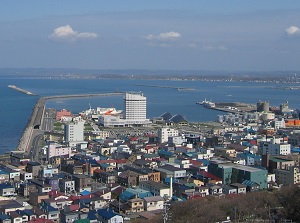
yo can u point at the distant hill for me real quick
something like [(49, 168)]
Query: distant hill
[(144, 74)]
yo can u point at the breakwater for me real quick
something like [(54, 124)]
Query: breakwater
[(36, 118), (21, 90), (159, 86)]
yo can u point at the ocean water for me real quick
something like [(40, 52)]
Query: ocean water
[(16, 107)]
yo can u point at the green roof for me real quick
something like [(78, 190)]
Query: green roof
[(82, 221)]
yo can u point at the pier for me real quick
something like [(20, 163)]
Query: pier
[(233, 107), (21, 90), (33, 127)]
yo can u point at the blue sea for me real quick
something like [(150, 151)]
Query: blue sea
[(16, 107)]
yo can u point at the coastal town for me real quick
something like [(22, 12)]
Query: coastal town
[(108, 165)]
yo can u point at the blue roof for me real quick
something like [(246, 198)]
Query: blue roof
[(166, 153), (296, 150), (204, 161), (92, 215), (48, 208), (85, 192), (3, 172), (127, 195), (104, 165), (168, 179), (249, 182), (107, 213), (6, 185), (27, 212), (4, 216)]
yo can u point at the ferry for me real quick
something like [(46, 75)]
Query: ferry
[(207, 104), (101, 111)]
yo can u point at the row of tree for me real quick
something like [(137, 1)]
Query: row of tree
[(264, 206)]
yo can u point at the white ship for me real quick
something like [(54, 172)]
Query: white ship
[(100, 111), (108, 111), (207, 104)]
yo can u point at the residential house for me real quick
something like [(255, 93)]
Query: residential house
[(106, 177), (7, 190), (35, 198), (288, 176), (4, 218), (215, 189), (15, 217), (4, 176), (136, 205), (25, 176), (153, 203), (48, 171), (26, 188), (108, 216), (41, 186), (10, 205), (157, 189), (69, 217), (27, 215), (229, 190), (18, 158), (34, 168), (175, 171), (241, 188), (51, 212), (251, 186), (67, 185), (179, 189), (82, 182)]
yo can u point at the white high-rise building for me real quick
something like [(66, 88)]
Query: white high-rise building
[(135, 106), (74, 132)]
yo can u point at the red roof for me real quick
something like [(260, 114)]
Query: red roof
[(120, 161), (74, 207), (209, 175), (40, 220), (106, 161), (196, 162), (55, 193), (253, 142)]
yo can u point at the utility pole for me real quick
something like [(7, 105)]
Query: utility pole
[(166, 213)]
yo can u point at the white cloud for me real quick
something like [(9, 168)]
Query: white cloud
[(293, 31), (67, 33), (164, 36)]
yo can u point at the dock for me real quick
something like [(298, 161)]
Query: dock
[(233, 107), (21, 90)]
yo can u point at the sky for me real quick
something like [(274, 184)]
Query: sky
[(215, 35)]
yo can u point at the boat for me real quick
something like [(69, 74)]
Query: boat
[(100, 111), (207, 104), (108, 111)]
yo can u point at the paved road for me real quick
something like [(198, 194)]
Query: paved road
[(35, 148), (48, 119)]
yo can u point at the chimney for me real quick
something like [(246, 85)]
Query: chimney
[(171, 186)]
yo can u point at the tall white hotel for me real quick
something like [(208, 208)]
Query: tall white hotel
[(135, 111), (135, 106)]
